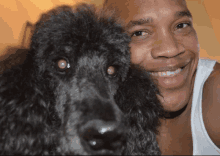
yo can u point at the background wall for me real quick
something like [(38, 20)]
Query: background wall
[(14, 15), (206, 16)]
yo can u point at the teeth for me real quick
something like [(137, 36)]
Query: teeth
[(167, 73)]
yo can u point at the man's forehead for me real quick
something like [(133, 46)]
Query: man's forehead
[(128, 9), (127, 5), (153, 2)]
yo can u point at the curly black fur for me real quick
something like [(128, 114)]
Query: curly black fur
[(80, 108)]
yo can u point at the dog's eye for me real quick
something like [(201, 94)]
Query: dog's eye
[(63, 64), (111, 70)]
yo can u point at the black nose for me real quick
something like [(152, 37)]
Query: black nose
[(102, 137)]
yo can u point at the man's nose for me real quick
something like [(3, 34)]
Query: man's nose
[(166, 45)]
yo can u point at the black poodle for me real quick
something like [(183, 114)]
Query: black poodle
[(76, 92)]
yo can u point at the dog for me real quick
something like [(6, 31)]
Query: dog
[(76, 93)]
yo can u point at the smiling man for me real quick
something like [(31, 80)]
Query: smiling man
[(165, 43)]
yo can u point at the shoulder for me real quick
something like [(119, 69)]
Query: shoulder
[(211, 105)]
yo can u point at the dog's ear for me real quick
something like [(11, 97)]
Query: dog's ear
[(136, 97), (23, 114), (12, 58)]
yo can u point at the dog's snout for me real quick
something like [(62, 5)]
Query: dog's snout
[(103, 137)]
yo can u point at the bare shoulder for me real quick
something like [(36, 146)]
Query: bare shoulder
[(211, 105)]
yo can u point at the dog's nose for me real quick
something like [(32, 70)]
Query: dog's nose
[(103, 137)]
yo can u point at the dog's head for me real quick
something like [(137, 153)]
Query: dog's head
[(79, 57)]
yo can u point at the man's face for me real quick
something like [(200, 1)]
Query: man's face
[(165, 43)]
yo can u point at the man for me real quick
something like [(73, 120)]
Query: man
[(164, 42)]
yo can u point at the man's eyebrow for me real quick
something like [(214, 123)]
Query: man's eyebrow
[(150, 20), (139, 22), (183, 13)]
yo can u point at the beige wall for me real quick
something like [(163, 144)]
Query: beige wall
[(206, 15), (15, 13)]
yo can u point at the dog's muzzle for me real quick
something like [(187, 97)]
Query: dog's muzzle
[(103, 131), (101, 137)]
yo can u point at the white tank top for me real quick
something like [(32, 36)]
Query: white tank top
[(202, 143)]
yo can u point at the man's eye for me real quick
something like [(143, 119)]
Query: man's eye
[(140, 33), (182, 25)]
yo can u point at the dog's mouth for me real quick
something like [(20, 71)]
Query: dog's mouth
[(94, 137)]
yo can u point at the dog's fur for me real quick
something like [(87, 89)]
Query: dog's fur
[(81, 109)]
